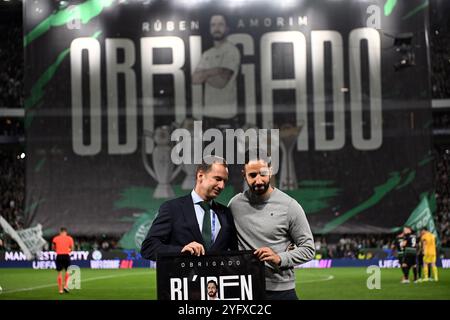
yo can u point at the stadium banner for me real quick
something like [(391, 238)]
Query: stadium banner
[(95, 259), (118, 259), (29, 240), (237, 276), (422, 217), (114, 91)]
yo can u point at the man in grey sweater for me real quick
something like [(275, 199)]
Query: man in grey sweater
[(274, 225)]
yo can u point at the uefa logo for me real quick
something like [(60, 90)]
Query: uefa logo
[(96, 255)]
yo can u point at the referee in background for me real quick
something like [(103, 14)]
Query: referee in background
[(63, 245)]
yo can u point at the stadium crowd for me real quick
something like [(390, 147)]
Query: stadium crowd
[(443, 196), (11, 127), (12, 188), (12, 191), (440, 55), (11, 66), (103, 242), (441, 121), (351, 246)]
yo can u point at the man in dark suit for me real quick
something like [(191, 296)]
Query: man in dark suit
[(182, 225)]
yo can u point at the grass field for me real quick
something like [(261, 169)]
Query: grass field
[(140, 284)]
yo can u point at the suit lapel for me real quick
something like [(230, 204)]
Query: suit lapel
[(191, 218)]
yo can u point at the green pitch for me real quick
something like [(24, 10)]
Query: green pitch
[(140, 284)]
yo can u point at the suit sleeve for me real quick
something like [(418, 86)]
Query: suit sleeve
[(158, 236), (233, 244)]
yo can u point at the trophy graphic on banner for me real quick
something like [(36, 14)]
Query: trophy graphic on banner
[(163, 170), (189, 168), (288, 139)]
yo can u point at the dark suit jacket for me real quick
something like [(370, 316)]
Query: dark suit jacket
[(176, 225)]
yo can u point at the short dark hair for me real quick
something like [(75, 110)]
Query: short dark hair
[(257, 154), (221, 15), (63, 229), (424, 229), (207, 163), (212, 281), (409, 227)]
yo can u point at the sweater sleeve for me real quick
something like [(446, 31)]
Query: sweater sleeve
[(301, 235)]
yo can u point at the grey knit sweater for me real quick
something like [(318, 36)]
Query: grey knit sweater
[(275, 223)]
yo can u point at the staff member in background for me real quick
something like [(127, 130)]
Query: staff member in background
[(63, 245), (272, 224), (194, 223)]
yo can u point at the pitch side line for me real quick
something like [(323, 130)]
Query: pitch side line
[(87, 280), (330, 277)]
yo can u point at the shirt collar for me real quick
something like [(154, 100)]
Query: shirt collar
[(196, 198)]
